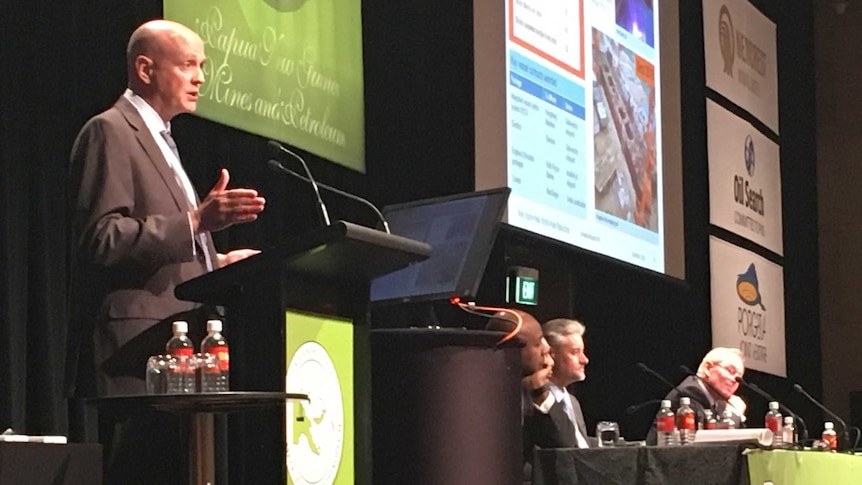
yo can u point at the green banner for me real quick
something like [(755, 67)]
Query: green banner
[(290, 70), (783, 467), (320, 432)]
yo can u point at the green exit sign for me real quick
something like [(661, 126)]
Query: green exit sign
[(522, 285), (526, 290)]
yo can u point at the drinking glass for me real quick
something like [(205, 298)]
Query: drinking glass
[(158, 367), (607, 433)]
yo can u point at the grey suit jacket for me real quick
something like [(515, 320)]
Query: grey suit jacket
[(130, 247), (579, 418)]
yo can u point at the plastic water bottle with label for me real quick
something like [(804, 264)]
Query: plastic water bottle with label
[(665, 426), (788, 432), (774, 422), (686, 422), (181, 377), (215, 344)]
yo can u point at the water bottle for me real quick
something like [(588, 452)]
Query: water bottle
[(709, 421), (215, 344), (829, 435), (685, 421), (773, 421), (727, 421), (181, 378), (664, 424), (788, 433)]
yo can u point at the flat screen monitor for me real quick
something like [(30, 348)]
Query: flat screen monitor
[(460, 229)]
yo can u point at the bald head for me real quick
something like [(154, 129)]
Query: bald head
[(535, 349), (164, 60), (154, 36)]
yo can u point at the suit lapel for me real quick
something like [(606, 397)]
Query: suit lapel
[(579, 416), (145, 139)]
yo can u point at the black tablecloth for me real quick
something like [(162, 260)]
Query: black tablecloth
[(642, 465), (50, 464)]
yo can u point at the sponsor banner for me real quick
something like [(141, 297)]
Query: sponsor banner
[(747, 293), (744, 179), (320, 431), (741, 57)]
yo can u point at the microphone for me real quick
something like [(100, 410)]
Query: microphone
[(765, 395), (644, 368), (277, 148), (276, 166), (844, 434), (637, 407)]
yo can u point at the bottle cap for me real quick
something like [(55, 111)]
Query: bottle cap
[(773, 405), (684, 401), (828, 425), (665, 403), (788, 420), (213, 326), (180, 327)]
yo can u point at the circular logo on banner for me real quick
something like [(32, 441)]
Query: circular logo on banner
[(315, 428), (749, 156)]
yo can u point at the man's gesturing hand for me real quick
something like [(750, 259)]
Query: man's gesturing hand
[(223, 208)]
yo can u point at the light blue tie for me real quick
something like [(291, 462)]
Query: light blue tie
[(202, 238)]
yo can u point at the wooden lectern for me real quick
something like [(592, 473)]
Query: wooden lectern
[(328, 273)]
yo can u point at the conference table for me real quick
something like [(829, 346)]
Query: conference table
[(708, 464)]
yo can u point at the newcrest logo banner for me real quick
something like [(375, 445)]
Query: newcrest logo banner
[(741, 57)]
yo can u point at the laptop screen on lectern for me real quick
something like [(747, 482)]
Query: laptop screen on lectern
[(460, 229)]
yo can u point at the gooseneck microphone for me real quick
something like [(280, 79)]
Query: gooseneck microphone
[(637, 407), (765, 395), (644, 368), (844, 434), (276, 166), (277, 149)]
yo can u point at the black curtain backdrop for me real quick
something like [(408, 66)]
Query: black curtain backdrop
[(63, 62)]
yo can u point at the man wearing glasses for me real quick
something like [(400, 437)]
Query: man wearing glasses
[(713, 387)]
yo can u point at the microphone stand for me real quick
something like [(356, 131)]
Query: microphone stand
[(644, 368), (277, 148), (278, 167), (637, 407), (765, 395), (844, 434)]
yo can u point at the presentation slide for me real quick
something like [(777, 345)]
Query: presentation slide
[(584, 125), (289, 70)]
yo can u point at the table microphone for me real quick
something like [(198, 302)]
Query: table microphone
[(765, 395), (800, 390), (276, 166), (644, 368), (277, 149), (637, 407)]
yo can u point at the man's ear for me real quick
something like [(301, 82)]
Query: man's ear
[(144, 69)]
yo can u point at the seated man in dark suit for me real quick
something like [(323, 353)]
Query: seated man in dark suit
[(566, 338), (545, 422), (713, 388)]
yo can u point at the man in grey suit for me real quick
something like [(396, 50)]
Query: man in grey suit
[(566, 338), (138, 228)]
